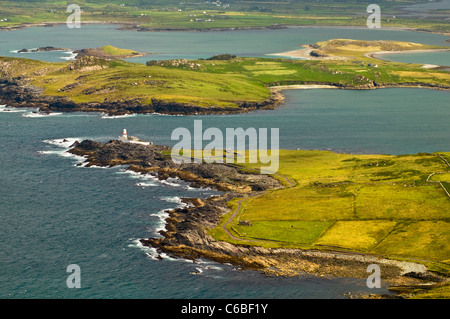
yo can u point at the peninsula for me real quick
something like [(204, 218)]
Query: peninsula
[(344, 222), (220, 84)]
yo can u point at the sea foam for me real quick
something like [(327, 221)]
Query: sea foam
[(151, 252), (172, 199), (10, 110), (72, 56), (106, 116), (40, 115), (64, 145), (162, 215), (5, 109)]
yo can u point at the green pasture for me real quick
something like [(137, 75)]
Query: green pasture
[(378, 204)]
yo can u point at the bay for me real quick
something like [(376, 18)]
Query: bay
[(190, 45)]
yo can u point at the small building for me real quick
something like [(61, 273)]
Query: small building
[(245, 223), (132, 139)]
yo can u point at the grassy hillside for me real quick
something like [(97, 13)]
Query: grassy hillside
[(214, 82), (94, 80)]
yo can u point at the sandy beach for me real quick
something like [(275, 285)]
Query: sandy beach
[(302, 87), (378, 54), (299, 53), (304, 54)]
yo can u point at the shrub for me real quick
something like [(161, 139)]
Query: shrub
[(222, 57), (151, 62)]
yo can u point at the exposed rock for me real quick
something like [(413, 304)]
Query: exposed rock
[(150, 159), (42, 49)]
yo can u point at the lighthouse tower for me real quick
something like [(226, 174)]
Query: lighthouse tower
[(125, 134)]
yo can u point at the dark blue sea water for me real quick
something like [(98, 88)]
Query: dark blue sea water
[(54, 213)]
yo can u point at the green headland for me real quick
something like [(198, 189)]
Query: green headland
[(219, 84)]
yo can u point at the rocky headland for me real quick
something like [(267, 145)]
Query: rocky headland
[(19, 92), (186, 234)]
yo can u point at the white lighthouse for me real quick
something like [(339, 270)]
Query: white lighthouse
[(124, 136), (132, 139)]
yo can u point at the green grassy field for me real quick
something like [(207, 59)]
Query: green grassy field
[(95, 80), (378, 204), (109, 49), (178, 15)]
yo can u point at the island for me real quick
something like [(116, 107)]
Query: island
[(108, 52), (335, 218), (219, 84)]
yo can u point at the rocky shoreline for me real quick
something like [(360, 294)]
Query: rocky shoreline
[(186, 233), (101, 54), (19, 93)]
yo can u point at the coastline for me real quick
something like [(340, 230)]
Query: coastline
[(305, 54), (298, 53), (186, 234), (378, 54), (280, 262), (18, 95), (124, 25), (56, 23), (302, 87)]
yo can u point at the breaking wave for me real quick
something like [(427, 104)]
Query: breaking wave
[(40, 115), (5, 109), (72, 56), (64, 145), (106, 116)]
